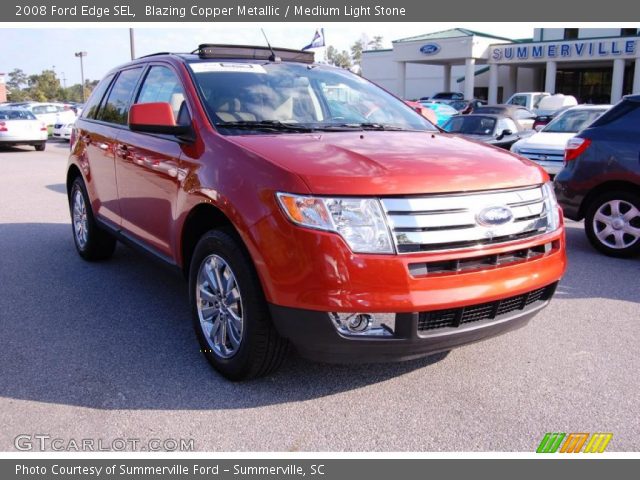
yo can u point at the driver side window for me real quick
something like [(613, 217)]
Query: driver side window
[(162, 85)]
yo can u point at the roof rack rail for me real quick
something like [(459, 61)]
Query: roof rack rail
[(207, 50), (154, 54)]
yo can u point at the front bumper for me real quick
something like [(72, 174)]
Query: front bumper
[(315, 337)]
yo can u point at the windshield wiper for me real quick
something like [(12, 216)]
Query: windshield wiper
[(361, 126), (272, 125)]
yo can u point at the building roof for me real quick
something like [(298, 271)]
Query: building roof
[(451, 33)]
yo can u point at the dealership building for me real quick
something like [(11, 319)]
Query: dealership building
[(596, 65)]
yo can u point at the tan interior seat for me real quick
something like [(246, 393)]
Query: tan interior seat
[(230, 110)]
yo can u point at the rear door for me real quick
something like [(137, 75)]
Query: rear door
[(147, 165)]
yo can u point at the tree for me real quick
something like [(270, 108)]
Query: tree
[(376, 43), (339, 59), (16, 81), (356, 52), (45, 86)]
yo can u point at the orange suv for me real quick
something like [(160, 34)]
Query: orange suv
[(307, 206)]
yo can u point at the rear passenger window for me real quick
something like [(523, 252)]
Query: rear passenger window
[(519, 100), (625, 115), (93, 104), (163, 85), (116, 108)]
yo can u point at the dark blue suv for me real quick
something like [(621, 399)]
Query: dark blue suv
[(601, 179)]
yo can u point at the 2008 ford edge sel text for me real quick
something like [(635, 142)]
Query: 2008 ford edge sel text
[(307, 206)]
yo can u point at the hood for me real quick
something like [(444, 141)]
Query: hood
[(388, 163), (546, 141)]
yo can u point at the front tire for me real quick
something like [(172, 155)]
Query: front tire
[(92, 243), (612, 223), (230, 314)]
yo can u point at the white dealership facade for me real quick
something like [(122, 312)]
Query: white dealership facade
[(596, 65)]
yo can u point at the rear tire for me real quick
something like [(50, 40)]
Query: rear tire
[(40, 147), (232, 323), (612, 223), (92, 243)]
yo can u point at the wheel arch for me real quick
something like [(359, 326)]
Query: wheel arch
[(613, 185), (200, 219), (73, 172)]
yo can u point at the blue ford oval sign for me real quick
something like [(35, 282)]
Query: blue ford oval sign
[(494, 216), (430, 49)]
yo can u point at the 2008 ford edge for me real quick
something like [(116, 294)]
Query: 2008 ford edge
[(307, 206)]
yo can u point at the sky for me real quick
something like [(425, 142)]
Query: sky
[(36, 49)]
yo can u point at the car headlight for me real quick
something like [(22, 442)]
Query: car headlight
[(360, 221), (551, 205)]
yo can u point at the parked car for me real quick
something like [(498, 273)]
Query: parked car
[(63, 130), (464, 106), (442, 111), (553, 103), (496, 130), (521, 115), (546, 147), (529, 100), (21, 127), (351, 228), (600, 182), (49, 113), (448, 96)]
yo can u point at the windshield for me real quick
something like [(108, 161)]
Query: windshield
[(470, 125), (296, 98), (572, 121), (16, 115)]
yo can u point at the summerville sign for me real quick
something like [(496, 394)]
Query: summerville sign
[(571, 50)]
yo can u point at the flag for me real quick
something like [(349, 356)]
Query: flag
[(318, 40)]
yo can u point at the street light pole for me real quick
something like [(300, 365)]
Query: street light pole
[(132, 44), (81, 55)]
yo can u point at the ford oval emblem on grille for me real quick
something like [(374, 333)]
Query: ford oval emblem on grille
[(494, 216)]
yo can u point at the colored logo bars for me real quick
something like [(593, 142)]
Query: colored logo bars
[(574, 442)]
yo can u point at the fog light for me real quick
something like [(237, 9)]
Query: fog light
[(364, 324), (360, 322)]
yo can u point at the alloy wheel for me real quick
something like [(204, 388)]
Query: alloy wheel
[(219, 305), (80, 221)]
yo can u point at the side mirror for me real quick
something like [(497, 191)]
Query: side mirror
[(155, 118), (506, 132)]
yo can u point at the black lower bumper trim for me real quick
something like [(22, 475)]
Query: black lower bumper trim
[(315, 337)]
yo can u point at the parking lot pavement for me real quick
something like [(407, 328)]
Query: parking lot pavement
[(106, 351)]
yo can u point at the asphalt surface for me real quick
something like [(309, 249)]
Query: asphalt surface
[(106, 351)]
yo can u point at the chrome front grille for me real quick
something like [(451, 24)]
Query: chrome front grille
[(439, 222), (543, 155)]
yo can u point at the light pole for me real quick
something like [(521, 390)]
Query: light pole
[(132, 44), (81, 55)]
